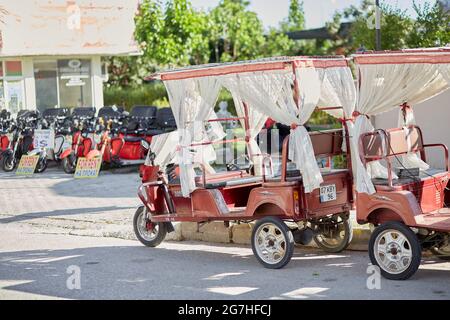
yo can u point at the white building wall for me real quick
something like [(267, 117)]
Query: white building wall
[(433, 116), (97, 82), (29, 83)]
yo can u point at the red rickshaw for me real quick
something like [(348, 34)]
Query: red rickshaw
[(406, 200), (300, 203)]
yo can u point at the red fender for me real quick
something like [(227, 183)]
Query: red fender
[(93, 154), (66, 153)]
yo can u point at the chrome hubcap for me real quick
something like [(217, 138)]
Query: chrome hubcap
[(270, 243), (147, 230), (393, 251)]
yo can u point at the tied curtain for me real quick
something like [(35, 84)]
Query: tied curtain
[(384, 88), (272, 94), (192, 102), (256, 120), (164, 147)]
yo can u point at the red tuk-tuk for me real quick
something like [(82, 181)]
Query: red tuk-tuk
[(405, 198), (300, 203)]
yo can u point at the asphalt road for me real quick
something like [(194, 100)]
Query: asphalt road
[(34, 265)]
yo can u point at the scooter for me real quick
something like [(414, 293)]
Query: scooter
[(81, 145), (5, 128), (22, 143), (57, 120)]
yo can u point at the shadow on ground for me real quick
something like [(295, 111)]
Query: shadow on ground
[(200, 271)]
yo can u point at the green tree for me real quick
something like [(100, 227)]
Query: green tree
[(396, 26), (432, 26), (173, 35), (296, 19), (235, 32)]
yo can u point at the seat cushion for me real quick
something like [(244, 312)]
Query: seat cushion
[(230, 183), (424, 176)]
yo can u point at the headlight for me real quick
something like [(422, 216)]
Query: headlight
[(145, 145)]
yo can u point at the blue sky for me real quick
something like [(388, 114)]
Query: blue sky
[(317, 11)]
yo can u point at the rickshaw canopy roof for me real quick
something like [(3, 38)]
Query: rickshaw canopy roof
[(266, 64)]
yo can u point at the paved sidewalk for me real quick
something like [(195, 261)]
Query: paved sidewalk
[(54, 200)]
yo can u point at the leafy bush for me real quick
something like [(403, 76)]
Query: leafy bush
[(148, 94)]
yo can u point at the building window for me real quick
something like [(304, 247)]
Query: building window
[(75, 86), (11, 86), (46, 79)]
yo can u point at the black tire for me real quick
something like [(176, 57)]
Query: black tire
[(41, 166), (146, 240), (412, 244), (68, 165), (340, 242), (286, 243), (9, 162)]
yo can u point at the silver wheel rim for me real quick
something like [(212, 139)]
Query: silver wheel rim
[(270, 243), (147, 235), (338, 238), (393, 251)]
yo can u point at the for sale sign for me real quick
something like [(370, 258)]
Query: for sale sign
[(27, 165), (88, 168), (44, 139)]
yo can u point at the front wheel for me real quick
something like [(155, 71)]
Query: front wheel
[(9, 162), (148, 233), (333, 234), (272, 243), (41, 166), (396, 249), (69, 165)]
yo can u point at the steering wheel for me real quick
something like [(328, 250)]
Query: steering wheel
[(234, 166)]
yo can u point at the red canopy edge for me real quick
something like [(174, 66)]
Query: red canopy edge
[(270, 64), (408, 56)]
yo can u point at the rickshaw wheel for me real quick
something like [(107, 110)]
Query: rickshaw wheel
[(334, 233), (68, 166), (396, 249), (272, 243), (148, 233)]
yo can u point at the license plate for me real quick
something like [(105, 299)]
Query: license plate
[(328, 193)]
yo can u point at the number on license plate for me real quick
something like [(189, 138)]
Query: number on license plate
[(328, 193)]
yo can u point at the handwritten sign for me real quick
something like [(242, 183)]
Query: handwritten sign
[(44, 139), (88, 168), (27, 165)]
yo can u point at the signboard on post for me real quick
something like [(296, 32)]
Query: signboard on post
[(88, 168), (27, 165), (44, 139)]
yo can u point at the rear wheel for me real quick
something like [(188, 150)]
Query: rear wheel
[(148, 233), (396, 249), (272, 243), (69, 165), (333, 234), (9, 162)]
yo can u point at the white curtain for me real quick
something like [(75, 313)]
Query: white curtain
[(256, 120), (272, 94), (164, 147), (383, 88), (411, 160), (192, 102), (445, 72)]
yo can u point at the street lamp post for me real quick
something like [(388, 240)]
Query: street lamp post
[(378, 25)]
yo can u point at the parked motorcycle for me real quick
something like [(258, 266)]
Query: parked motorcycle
[(22, 143), (57, 120), (5, 127), (83, 126)]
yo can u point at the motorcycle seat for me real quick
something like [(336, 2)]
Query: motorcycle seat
[(133, 139)]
